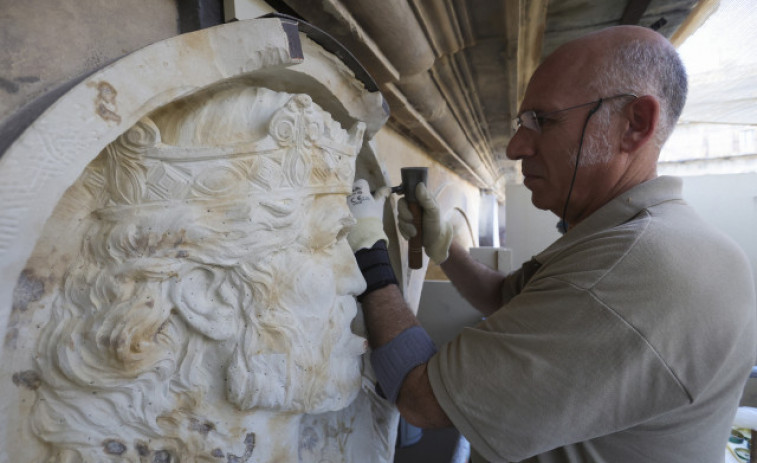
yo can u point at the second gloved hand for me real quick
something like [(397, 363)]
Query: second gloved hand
[(437, 233)]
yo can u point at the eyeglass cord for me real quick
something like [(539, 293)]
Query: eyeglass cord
[(562, 226)]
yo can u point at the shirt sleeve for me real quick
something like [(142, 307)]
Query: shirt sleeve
[(514, 282), (553, 366)]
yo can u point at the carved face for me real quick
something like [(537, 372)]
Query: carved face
[(218, 277), (326, 280), (299, 353), (331, 276)]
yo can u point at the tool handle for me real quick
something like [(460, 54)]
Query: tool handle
[(415, 245)]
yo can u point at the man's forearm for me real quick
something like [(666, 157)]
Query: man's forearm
[(386, 315), (401, 347), (477, 283)]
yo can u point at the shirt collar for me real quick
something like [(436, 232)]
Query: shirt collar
[(619, 210)]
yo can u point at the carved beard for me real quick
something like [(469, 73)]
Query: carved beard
[(296, 356), (279, 384)]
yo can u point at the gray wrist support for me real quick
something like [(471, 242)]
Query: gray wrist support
[(394, 360)]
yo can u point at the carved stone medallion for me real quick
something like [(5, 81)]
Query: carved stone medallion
[(191, 298)]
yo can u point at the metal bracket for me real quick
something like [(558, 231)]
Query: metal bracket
[(331, 45)]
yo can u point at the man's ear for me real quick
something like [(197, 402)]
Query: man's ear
[(643, 116)]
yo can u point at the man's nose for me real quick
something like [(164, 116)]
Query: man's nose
[(521, 144)]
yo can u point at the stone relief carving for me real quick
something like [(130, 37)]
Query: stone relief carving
[(207, 315)]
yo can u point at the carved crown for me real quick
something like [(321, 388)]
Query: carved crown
[(305, 152)]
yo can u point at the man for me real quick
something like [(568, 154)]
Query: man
[(630, 338)]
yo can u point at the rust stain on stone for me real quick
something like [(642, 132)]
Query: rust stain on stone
[(11, 337), (105, 102), (29, 379)]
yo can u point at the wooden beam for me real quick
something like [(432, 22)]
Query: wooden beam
[(634, 11), (694, 20), (335, 18), (510, 54), (533, 21)]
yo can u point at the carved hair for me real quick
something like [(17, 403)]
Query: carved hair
[(120, 329), (169, 274)]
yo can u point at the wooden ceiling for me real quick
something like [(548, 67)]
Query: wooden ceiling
[(453, 71)]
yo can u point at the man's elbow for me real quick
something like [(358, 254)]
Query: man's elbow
[(422, 419), (417, 403)]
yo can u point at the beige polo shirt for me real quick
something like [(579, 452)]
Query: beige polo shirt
[(631, 342)]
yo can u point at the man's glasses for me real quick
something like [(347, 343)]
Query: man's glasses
[(533, 120)]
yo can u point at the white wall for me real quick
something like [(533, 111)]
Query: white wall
[(729, 202), (528, 230)]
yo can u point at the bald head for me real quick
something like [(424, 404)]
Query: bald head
[(623, 59), (605, 40), (604, 105)]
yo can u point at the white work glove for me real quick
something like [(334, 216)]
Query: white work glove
[(437, 233), (369, 212)]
